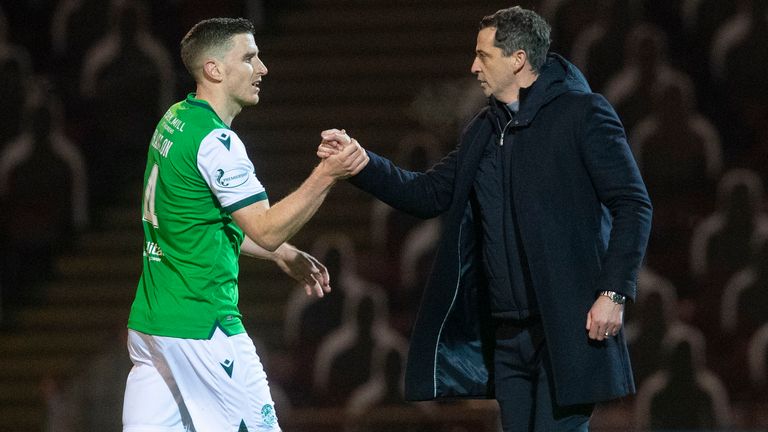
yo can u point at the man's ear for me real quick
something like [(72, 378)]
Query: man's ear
[(212, 70), (519, 58)]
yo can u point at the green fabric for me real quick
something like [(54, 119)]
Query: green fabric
[(189, 280)]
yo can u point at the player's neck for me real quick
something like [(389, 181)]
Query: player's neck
[(223, 106)]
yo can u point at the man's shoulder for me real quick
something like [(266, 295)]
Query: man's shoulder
[(477, 121), (576, 102), (576, 96)]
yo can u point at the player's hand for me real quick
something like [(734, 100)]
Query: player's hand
[(604, 319), (306, 269), (333, 141), (346, 163)]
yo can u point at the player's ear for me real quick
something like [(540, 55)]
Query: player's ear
[(212, 70)]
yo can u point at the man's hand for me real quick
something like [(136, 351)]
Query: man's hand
[(306, 269), (341, 156), (604, 319), (333, 141)]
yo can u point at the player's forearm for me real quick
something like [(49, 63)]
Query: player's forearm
[(252, 249), (271, 228), (289, 215)]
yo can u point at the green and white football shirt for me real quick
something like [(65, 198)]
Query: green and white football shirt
[(197, 174)]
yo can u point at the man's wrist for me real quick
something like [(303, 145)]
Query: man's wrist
[(322, 176), (615, 297)]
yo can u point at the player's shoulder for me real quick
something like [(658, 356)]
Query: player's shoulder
[(196, 126), (223, 137), (195, 120)]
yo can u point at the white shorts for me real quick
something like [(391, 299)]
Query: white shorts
[(190, 385)]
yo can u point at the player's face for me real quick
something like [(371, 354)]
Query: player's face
[(244, 70), (494, 70)]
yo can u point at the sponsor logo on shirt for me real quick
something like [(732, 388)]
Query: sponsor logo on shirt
[(152, 251), (232, 178), (174, 122)]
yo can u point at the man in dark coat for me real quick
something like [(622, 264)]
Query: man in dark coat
[(546, 219)]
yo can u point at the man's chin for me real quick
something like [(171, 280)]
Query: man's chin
[(249, 102)]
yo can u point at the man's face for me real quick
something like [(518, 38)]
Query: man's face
[(243, 70), (494, 71)]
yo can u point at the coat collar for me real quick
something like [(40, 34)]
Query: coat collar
[(557, 76)]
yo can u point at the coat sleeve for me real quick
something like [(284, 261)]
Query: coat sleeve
[(424, 195), (619, 187)]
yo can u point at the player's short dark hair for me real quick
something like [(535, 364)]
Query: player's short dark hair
[(210, 34), (520, 29)]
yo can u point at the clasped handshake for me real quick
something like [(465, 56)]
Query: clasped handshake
[(341, 156)]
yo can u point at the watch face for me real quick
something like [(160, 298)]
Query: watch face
[(617, 298)]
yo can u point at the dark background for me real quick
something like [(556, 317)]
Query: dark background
[(84, 82)]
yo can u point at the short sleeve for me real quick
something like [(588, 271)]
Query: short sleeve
[(224, 164)]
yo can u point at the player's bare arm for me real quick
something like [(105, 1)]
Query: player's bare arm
[(269, 227), (299, 265)]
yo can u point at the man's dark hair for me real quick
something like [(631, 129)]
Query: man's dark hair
[(520, 29), (211, 34)]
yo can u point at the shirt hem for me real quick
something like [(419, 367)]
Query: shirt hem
[(199, 334)]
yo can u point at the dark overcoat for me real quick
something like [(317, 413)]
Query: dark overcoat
[(584, 218)]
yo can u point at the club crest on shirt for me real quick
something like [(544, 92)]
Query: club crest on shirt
[(268, 415), (232, 178)]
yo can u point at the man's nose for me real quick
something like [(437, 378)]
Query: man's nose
[(475, 68)]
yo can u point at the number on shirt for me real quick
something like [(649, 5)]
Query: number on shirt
[(148, 206)]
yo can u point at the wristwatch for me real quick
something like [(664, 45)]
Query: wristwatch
[(615, 297)]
